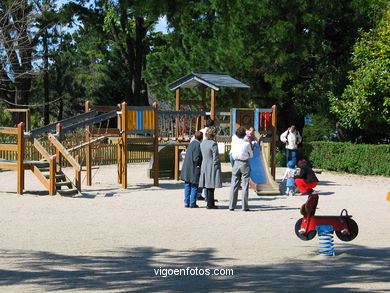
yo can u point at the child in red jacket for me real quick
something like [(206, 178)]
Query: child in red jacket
[(306, 180)]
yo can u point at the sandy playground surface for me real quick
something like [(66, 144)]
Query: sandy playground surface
[(114, 240)]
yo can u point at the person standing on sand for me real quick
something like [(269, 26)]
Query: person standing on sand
[(289, 175), (209, 123), (241, 152), (191, 171), (292, 138), (210, 171)]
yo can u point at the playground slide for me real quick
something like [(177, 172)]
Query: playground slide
[(261, 179)]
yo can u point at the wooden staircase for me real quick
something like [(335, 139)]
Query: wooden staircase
[(64, 186), (51, 176)]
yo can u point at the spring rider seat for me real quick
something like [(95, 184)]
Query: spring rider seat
[(345, 228)]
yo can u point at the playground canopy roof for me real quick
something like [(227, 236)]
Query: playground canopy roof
[(209, 79)]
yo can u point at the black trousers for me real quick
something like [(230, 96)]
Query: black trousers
[(210, 197)]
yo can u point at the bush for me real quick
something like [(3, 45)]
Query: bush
[(361, 159), (280, 158)]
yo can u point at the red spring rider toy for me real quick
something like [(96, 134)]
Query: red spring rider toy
[(345, 228)]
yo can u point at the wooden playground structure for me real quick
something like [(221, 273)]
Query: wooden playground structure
[(143, 127), (136, 127)]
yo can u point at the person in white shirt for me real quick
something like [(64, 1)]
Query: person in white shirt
[(241, 152), (292, 139)]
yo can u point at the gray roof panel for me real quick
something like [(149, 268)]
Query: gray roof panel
[(209, 79)]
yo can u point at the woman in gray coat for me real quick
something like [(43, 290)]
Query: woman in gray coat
[(210, 171), (191, 170)]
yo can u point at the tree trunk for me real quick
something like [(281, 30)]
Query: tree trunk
[(140, 88), (133, 52), (46, 79)]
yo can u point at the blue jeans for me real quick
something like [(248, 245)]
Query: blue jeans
[(190, 193), (231, 160), (293, 156), (200, 189)]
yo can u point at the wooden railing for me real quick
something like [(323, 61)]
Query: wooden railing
[(18, 150), (103, 154), (50, 185), (68, 157)]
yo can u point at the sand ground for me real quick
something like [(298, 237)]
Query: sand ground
[(114, 240)]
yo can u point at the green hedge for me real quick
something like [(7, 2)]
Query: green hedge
[(362, 159)]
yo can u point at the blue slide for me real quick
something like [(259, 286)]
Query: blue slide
[(261, 179), (257, 168)]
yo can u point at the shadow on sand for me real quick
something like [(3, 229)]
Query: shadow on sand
[(133, 270)]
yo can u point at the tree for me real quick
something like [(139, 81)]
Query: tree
[(129, 27), (292, 53), (364, 106), (22, 23)]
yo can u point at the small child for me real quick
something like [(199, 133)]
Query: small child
[(289, 175), (250, 137)]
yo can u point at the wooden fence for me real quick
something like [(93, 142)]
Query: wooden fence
[(102, 154)]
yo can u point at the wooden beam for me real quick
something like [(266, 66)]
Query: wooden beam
[(124, 145), (52, 176), (64, 152), (41, 178), (17, 110), (88, 152), (155, 147), (87, 143), (202, 119), (177, 152), (140, 140), (20, 180), (8, 166), (38, 146), (58, 153), (78, 179), (9, 147), (28, 120), (9, 130), (237, 98), (104, 108), (212, 107), (119, 150)]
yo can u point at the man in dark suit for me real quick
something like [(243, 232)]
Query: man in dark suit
[(191, 171)]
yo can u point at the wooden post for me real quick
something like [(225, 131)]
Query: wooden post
[(273, 140), (237, 100), (20, 164), (78, 179), (58, 153), (28, 120), (124, 145), (52, 176), (176, 166), (88, 153), (119, 150), (212, 110), (203, 120), (155, 146)]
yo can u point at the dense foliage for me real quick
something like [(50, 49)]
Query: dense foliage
[(365, 103), (362, 159), (306, 57)]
